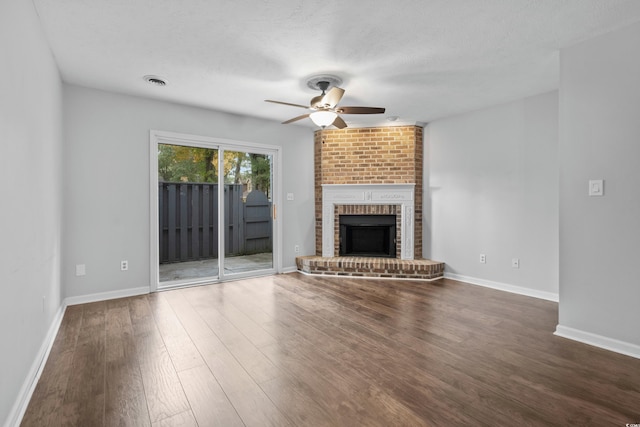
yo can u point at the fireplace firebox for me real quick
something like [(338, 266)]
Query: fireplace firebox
[(368, 235)]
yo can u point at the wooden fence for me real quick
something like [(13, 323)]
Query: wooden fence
[(188, 221)]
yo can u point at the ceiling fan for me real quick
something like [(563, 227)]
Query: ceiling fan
[(324, 107)]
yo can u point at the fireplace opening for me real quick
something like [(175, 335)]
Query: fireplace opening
[(368, 235)]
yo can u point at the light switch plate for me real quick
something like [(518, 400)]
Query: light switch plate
[(596, 187)]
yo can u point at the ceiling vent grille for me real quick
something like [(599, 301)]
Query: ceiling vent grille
[(155, 80)]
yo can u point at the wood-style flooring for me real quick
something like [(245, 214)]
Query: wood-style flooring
[(294, 350)]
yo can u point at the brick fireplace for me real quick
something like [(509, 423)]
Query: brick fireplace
[(382, 155), (366, 171)]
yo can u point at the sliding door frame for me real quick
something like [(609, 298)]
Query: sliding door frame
[(157, 137)]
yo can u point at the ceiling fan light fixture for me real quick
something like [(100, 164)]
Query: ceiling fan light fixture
[(324, 110), (323, 118)]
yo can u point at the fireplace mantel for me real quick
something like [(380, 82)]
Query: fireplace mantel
[(368, 194)]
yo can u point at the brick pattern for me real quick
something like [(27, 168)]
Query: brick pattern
[(380, 155), (418, 158), (367, 210), (371, 267)]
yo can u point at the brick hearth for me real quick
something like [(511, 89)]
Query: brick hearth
[(371, 267)]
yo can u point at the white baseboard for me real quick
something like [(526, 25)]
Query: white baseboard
[(606, 343), (549, 296), (30, 382), (104, 296), (289, 269)]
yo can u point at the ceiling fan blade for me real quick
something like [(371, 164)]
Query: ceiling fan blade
[(339, 123), (287, 103), (315, 102), (332, 97), (295, 119), (360, 110)]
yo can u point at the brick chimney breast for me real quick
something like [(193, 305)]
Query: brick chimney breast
[(381, 155)]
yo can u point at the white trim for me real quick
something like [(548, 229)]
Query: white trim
[(277, 194), (368, 194), (600, 341), (154, 244), (185, 283), (549, 296), (104, 296), (221, 218), (286, 270), (31, 380)]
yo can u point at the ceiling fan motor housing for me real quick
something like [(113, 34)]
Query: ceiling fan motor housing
[(323, 82), (323, 85)]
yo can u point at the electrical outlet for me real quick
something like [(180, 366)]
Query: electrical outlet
[(81, 270), (515, 263), (596, 187), (296, 248), (483, 259), (124, 265)]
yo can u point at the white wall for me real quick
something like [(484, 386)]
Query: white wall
[(493, 189), (106, 181), (30, 194), (600, 236)]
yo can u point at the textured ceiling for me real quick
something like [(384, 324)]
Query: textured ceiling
[(421, 59)]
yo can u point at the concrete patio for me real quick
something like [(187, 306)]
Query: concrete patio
[(209, 267)]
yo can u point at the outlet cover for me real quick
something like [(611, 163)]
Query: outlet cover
[(596, 187), (81, 270), (124, 265), (483, 259), (515, 263)]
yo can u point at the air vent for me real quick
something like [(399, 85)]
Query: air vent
[(155, 80)]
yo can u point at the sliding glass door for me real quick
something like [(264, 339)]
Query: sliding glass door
[(213, 204)]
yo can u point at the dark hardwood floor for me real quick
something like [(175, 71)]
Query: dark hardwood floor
[(293, 350)]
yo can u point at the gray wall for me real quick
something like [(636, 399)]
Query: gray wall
[(30, 194), (600, 139), (493, 189), (106, 181)]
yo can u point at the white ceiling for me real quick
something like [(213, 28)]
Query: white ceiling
[(421, 59)]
